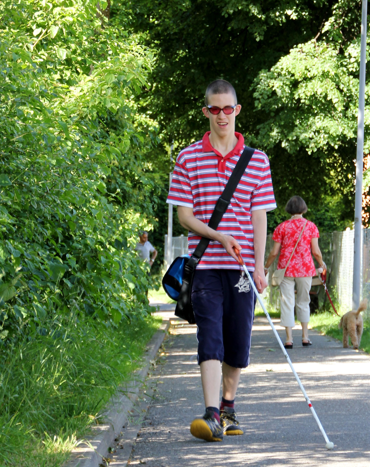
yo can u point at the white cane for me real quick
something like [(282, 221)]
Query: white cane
[(329, 444)]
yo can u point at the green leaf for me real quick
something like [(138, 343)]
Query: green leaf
[(62, 53), (101, 187), (117, 316), (72, 225), (39, 310), (4, 180), (4, 334), (20, 312), (7, 291), (64, 127), (37, 31), (56, 270), (54, 31), (15, 280)]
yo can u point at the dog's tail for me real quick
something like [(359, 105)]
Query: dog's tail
[(362, 307), (340, 323)]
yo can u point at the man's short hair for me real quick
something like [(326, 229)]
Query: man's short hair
[(220, 86), (296, 205), (142, 232)]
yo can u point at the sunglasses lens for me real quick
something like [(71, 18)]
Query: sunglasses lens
[(228, 110), (214, 110)]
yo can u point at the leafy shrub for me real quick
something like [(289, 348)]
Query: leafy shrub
[(75, 184)]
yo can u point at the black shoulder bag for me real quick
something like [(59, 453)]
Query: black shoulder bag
[(178, 280)]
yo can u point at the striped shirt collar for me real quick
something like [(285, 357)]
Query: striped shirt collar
[(207, 147)]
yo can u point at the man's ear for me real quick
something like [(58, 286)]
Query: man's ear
[(205, 111), (238, 108)]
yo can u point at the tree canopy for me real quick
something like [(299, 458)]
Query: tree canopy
[(295, 68)]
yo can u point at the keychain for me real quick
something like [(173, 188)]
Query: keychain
[(243, 285)]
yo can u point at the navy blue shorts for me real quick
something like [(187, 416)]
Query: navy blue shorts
[(224, 317)]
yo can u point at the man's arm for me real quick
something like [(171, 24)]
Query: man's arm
[(154, 253), (190, 222), (259, 221)]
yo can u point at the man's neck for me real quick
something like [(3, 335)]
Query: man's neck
[(223, 145)]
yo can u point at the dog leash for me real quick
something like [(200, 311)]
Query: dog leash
[(322, 278)]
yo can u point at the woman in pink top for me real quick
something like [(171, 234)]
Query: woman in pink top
[(300, 268)]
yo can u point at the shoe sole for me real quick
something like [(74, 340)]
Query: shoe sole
[(233, 432), (200, 429)]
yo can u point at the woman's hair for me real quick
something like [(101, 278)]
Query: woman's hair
[(296, 205)]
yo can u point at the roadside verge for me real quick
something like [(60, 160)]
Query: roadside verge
[(91, 451)]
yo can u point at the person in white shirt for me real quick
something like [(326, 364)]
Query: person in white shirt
[(145, 249)]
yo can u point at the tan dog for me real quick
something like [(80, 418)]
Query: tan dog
[(352, 325)]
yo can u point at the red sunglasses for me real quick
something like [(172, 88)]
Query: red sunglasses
[(227, 110)]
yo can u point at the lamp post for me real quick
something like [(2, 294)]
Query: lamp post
[(357, 253), (170, 221)]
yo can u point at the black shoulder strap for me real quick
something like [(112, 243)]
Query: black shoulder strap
[(224, 200)]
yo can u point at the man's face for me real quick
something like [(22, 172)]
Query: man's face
[(144, 238), (222, 125)]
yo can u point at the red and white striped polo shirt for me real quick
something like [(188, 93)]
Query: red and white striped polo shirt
[(199, 178)]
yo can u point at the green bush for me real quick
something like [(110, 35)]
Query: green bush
[(75, 183)]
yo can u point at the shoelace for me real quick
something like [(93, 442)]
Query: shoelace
[(231, 417)]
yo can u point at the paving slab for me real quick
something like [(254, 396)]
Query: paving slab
[(279, 427)]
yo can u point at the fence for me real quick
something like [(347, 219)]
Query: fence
[(179, 247), (337, 251)]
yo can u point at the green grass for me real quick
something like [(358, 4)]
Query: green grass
[(258, 313), (54, 387), (326, 323), (159, 296)]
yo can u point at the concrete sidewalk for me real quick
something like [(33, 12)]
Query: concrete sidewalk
[(279, 427)]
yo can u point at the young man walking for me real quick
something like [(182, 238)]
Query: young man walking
[(223, 300)]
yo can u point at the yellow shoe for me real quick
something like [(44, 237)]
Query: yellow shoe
[(229, 422), (207, 428)]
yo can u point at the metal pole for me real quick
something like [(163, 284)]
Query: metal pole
[(357, 253), (170, 222)]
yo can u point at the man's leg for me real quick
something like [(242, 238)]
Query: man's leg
[(237, 331), (230, 381), (211, 381), (207, 299)]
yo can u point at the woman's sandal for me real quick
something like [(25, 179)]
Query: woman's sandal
[(288, 345), (307, 343)]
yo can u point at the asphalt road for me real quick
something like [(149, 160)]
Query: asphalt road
[(279, 427)]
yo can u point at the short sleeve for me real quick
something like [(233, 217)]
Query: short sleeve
[(180, 193), (263, 195), (314, 231), (151, 247), (278, 234)]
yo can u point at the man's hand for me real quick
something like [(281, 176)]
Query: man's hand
[(259, 221), (229, 243), (260, 279)]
